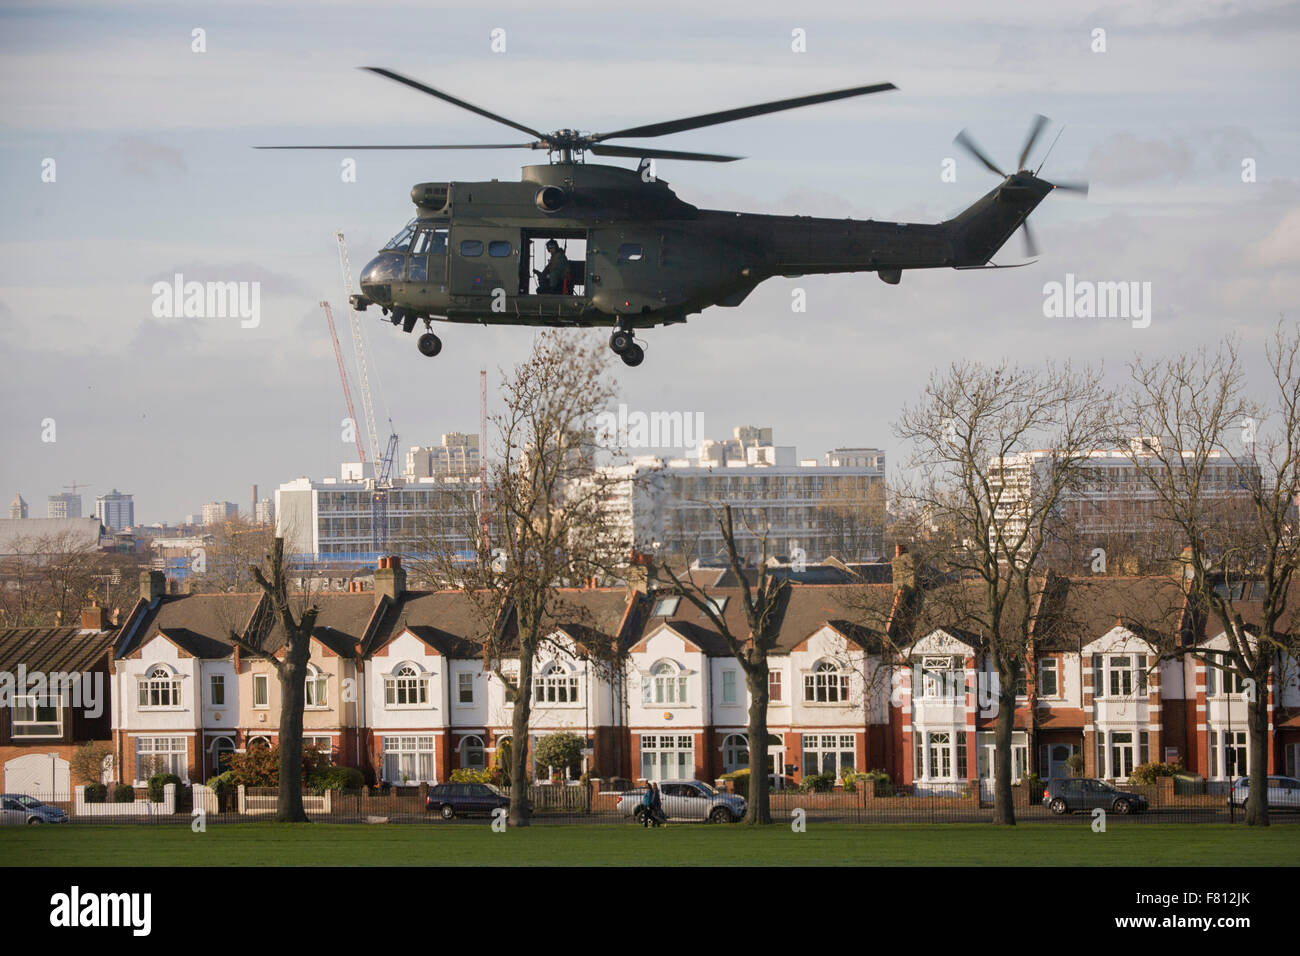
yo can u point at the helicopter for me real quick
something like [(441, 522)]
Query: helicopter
[(632, 254)]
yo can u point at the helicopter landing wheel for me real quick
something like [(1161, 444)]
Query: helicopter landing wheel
[(620, 341), (429, 344), (633, 355)]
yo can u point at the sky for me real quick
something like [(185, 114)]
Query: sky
[(154, 174)]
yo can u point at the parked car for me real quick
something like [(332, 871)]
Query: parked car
[(449, 799), (18, 808), (1283, 793), (1067, 794), (686, 800)]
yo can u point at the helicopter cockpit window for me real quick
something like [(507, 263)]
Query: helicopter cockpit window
[(471, 247), (402, 241), (629, 252), (499, 248)]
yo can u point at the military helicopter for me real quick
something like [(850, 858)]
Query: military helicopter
[(636, 256)]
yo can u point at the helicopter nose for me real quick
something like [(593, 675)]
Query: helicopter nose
[(379, 274)]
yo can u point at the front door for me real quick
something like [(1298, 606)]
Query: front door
[(1058, 760)]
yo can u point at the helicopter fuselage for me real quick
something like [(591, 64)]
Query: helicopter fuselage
[(639, 256)]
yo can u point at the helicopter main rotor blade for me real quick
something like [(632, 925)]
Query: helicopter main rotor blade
[(447, 97), (727, 116), (1034, 130), (467, 146), (963, 139), (660, 154)]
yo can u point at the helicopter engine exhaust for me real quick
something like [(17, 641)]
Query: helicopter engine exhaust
[(551, 199)]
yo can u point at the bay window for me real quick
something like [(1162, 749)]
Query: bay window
[(828, 753), (667, 757), (154, 755), (408, 759)]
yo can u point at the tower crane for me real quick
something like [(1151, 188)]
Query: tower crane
[(382, 482), (343, 377)]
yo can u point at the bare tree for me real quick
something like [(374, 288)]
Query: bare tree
[(295, 614), (970, 435), (238, 545), (762, 604), (1241, 548), (543, 526)]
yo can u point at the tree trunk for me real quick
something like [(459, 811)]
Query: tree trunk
[(293, 689), (758, 809), (1257, 741), (1004, 811), (519, 748)]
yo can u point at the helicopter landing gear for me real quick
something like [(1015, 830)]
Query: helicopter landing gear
[(429, 344), (633, 355), (620, 341)]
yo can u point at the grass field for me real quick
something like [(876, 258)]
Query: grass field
[(265, 844)]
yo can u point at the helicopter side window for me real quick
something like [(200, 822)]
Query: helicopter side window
[(421, 243), (471, 247), (402, 241), (439, 244), (630, 252), (499, 248)]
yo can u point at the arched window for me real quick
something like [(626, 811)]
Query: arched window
[(406, 687), (665, 685), (735, 752), (555, 685), (472, 756), (160, 688), (259, 742), (317, 687), (827, 684)]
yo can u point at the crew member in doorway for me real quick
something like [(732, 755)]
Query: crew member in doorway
[(551, 279)]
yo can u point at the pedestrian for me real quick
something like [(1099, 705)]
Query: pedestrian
[(657, 807), (647, 805)]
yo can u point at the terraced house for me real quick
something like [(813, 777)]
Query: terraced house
[(874, 676)]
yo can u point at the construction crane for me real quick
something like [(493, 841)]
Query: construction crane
[(343, 377), (382, 481)]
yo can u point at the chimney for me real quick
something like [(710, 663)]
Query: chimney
[(904, 567), (92, 618), (153, 585), (390, 579)]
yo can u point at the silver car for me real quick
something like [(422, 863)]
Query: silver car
[(1283, 793), (17, 809), (687, 800)]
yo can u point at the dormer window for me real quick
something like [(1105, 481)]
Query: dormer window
[(827, 684), (555, 686), (665, 685), (160, 688), (406, 687)]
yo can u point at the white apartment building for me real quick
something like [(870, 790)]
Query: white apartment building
[(828, 510), (335, 517)]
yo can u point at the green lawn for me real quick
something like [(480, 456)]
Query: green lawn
[(267, 844)]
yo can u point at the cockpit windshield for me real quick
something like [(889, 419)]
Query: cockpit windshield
[(402, 241)]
